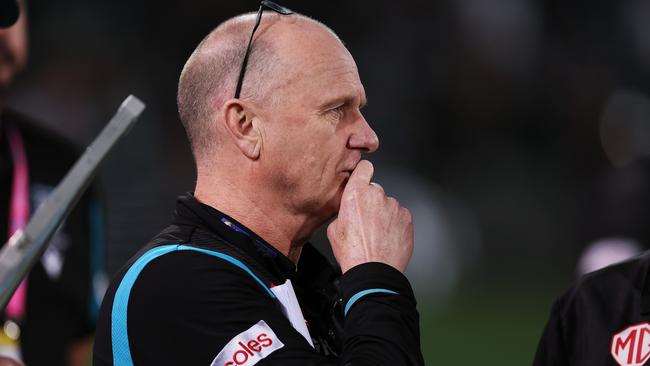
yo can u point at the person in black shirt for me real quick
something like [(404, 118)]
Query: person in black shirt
[(602, 320), (51, 317), (233, 281)]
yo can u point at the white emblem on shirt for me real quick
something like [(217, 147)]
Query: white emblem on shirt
[(249, 347), (631, 346)]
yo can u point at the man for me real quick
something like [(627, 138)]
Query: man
[(602, 320), (50, 318), (274, 162)]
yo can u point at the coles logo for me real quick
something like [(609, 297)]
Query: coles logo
[(249, 347), (631, 346)]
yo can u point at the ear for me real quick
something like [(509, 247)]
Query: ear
[(242, 126)]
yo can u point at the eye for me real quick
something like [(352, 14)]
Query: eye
[(337, 112)]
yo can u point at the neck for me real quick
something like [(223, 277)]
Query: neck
[(266, 216)]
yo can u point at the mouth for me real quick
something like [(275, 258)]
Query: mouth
[(346, 174), (349, 168)]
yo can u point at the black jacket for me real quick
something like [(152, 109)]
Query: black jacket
[(602, 320), (64, 288), (211, 284)]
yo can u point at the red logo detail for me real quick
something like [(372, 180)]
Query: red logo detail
[(249, 349), (631, 346)]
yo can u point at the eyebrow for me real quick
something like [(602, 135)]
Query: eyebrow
[(346, 99)]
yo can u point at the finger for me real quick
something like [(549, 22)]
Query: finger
[(362, 174), (377, 185), (408, 215)]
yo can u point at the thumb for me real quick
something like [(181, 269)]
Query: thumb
[(361, 175)]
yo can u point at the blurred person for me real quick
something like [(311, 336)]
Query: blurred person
[(605, 317), (50, 318), (233, 281)]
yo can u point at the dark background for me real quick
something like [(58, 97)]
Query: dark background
[(518, 131)]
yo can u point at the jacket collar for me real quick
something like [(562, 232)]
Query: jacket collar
[(189, 211)]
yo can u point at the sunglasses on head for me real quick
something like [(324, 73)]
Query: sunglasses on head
[(263, 5)]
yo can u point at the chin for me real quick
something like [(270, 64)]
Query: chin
[(330, 207), (329, 204)]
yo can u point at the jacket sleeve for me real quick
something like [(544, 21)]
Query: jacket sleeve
[(381, 325), (193, 309)]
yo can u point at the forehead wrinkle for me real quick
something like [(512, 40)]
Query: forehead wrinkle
[(337, 74), (342, 92), (336, 77), (327, 61), (316, 60)]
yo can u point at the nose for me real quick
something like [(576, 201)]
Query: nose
[(363, 137)]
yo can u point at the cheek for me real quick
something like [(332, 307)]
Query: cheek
[(321, 159), (290, 163), (312, 172), (307, 154), (308, 164), (307, 150), (17, 42)]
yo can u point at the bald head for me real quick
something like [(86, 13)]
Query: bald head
[(209, 77)]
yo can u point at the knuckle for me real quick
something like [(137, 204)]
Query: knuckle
[(407, 214), (377, 186), (375, 192)]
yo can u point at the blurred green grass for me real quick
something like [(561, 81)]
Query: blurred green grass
[(487, 325)]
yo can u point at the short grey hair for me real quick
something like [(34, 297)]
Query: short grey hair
[(209, 78)]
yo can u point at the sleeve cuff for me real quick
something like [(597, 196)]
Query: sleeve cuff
[(373, 278)]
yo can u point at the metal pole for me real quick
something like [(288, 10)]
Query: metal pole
[(26, 246)]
